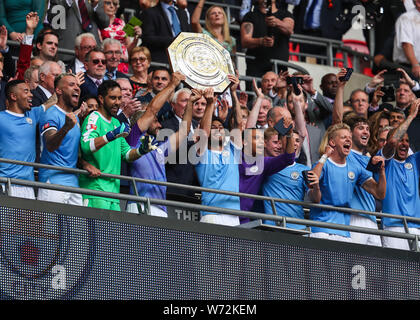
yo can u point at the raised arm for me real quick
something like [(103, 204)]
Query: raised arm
[(158, 101), (253, 115), (377, 189), (195, 17), (392, 141), (337, 114)]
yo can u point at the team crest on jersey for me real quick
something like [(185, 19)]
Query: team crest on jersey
[(91, 126), (408, 166), (44, 256), (29, 120), (253, 169), (351, 175), (294, 175)]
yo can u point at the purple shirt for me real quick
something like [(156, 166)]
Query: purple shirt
[(252, 175)]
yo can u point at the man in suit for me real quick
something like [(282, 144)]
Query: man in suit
[(48, 71), (113, 51), (178, 172), (161, 24), (95, 65), (82, 45), (81, 16), (321, 18)]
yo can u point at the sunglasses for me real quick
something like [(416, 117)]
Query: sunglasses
[(108, 3), (141, 59), (96, 61)]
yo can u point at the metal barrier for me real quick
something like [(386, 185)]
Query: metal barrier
[(253, 215)]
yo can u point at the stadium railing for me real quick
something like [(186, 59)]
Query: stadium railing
[(258, 216)]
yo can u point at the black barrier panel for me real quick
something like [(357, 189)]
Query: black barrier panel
[(49, 256)]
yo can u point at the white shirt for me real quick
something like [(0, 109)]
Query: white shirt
[(79, 66), (47, 93), (407, 30)]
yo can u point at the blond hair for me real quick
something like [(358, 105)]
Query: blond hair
[(225, 31), (330, 134)]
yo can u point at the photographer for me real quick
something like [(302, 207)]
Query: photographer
[(265, 32)]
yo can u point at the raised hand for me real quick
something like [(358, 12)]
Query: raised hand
[(209, 96), (177, 77), (32, 20), (3, 38)]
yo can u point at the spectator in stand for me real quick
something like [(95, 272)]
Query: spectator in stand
[(81, 16), (31, 77), (338, 178), (48, 71), (102, 146), (325, 19), (359, 100), (402, 173), (266, 36), (92, 104), (268, 85), (2, 85), (115, 31), (18, 135), (129, 105), (260, 109), (289, 184), (152, 165), (273, 145), (407, 41), (216, 25), (95, 65), (160, 79), (181, 170), (60, 132), (112, 50), (140, 60), (13, 13), (161, 24), (376, 122), (46, 46), (82, 45), (199, 107)]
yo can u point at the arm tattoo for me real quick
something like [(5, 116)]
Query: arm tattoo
[(248, 27)]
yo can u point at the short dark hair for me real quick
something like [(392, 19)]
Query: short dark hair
[(106, 86), (96, 49), (352, 122), (161, 69), (11, 85)]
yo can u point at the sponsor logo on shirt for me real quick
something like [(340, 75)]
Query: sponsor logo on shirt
[(91, 126)]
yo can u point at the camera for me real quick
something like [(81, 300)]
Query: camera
[(389, 91)]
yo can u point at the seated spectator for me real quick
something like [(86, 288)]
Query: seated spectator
[(266, 37), (216, 25), (95, 65), (140, 60), (103, 148), (48, 71), (82, 45), (115, 31), (161, 24), (289, 184), (112, 50), (31, 77)]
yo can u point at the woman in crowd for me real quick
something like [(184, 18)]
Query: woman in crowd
[(13, 16), (140, 59), (216, 25), (115, 31)]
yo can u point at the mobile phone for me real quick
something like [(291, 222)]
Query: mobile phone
[(389, 91), (294, 82), (306, 177), (347, 76), (281, 129), (373, 167)]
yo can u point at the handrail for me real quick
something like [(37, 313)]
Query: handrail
[(203, 189)]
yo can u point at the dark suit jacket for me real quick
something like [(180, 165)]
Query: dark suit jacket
[(334, 21), (2, 95), (88, 88), (157, 31), (180, 173), (39, 97)]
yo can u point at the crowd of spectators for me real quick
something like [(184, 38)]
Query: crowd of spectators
[(113, 107)]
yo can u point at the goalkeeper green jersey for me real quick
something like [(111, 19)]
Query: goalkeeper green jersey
[(107, 159)]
